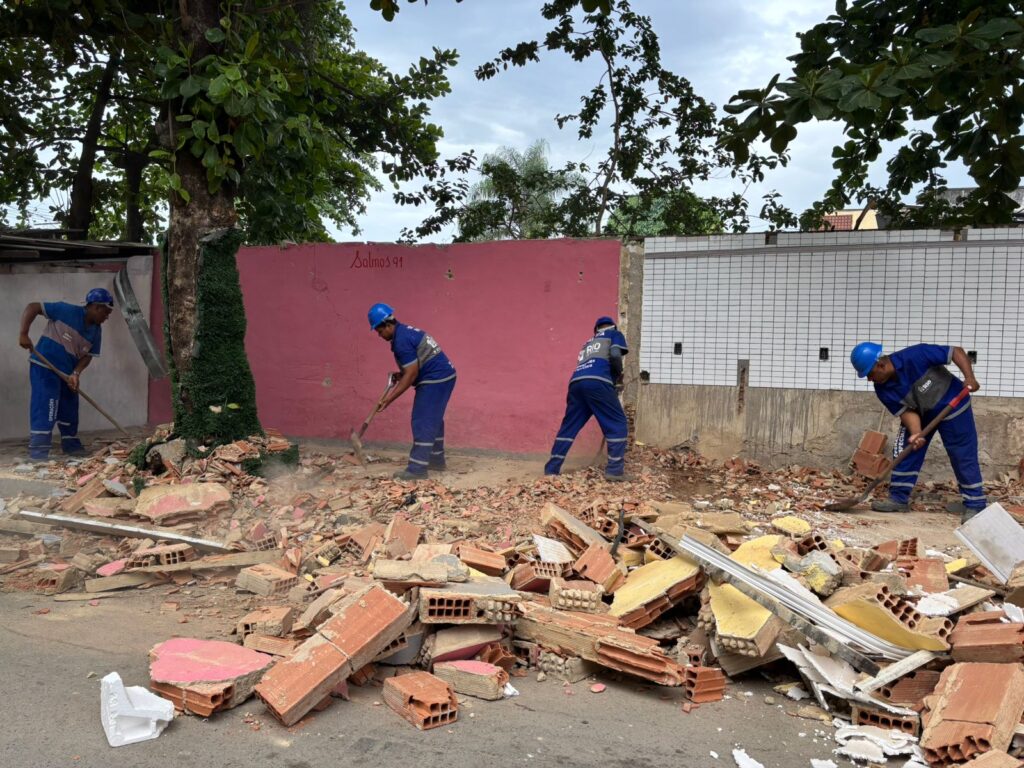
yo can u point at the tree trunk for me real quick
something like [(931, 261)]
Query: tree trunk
[(212, 386), (80, 214)]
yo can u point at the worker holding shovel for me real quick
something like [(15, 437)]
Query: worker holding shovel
[(426, 368), (69, 342), (592, 392), (915, 385)]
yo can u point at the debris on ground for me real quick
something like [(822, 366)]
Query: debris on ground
[(330, 579)]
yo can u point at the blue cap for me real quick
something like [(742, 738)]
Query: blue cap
[(603, 320), (100, 296)]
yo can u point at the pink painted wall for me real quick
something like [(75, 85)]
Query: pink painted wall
[(510, 315)]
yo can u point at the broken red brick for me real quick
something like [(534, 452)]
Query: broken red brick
[(873, 442), (975, 708), (704, 684), (473, 678), (491, 563), (598, 566), (205, 676), (422, 699), (275, 621), (985, 637), (928, 573), (363, 626), (266, 580)]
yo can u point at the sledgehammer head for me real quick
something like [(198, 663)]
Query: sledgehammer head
[(357, 446)]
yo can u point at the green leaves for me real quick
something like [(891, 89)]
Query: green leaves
[(878, 64)]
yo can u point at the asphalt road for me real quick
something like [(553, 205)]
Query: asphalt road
[(49, 711)]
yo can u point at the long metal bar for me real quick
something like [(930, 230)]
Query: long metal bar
[(797, 603), (132, 531)]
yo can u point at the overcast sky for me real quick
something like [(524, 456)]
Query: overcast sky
[(721, 46)]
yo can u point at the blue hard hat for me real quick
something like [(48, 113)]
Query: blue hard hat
[(603, 320), (100, 296), (378, 314), (864, 356)]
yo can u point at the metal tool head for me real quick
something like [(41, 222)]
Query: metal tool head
[(357, 446)]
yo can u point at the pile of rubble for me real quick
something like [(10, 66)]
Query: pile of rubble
[(438, 594)]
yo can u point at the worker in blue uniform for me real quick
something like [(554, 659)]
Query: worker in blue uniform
[(70, 341), (915, 385), (426, 368), (593, 391)]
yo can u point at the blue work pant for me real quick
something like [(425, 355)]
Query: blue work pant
[(51, 403), (960, 437), (586, 398), (428, 409)]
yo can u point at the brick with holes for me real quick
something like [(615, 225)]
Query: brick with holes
[(472, 603), (422, 699)]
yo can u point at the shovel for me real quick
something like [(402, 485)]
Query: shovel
[(356, 438), (844, 504), (85, 397)]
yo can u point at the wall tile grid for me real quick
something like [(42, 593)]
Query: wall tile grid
[(777, 305)]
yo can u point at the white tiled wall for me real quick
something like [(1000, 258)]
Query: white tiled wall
[(730, 298)]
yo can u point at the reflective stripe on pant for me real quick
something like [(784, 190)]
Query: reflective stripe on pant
[(51, 403), (588, 398), (428, 409), (960, 437)]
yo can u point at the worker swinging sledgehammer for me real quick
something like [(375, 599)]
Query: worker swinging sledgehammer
[(592, 391), (70, 341), (426, 368), (915, 385)]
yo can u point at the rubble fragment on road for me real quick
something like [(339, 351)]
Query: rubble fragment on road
[(331, 579)]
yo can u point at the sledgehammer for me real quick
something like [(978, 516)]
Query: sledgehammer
[(356, 438)]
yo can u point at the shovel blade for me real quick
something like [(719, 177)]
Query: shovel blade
[(843, 505), (357, 446)]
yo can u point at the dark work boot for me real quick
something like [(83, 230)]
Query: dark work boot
[(405, 474), (888, 505), (956, 508), (968, 513)]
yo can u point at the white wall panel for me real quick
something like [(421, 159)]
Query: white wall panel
[(728, 298)]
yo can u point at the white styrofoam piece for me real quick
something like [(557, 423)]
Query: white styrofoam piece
[(1014, 613), (937, 605), (743, 760), (131, 714), (822, 763), (996, 538)]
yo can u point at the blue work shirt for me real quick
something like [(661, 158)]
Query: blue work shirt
[(411, 345), (594, 359), (922, 383), (66, 338)]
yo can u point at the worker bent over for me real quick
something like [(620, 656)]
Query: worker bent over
[(592, 392), (69, 342), (915, 385), (425, 367)]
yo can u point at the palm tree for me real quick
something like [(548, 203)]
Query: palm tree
[(518, 197)]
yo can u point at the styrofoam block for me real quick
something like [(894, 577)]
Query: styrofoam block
[(131, 714)]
